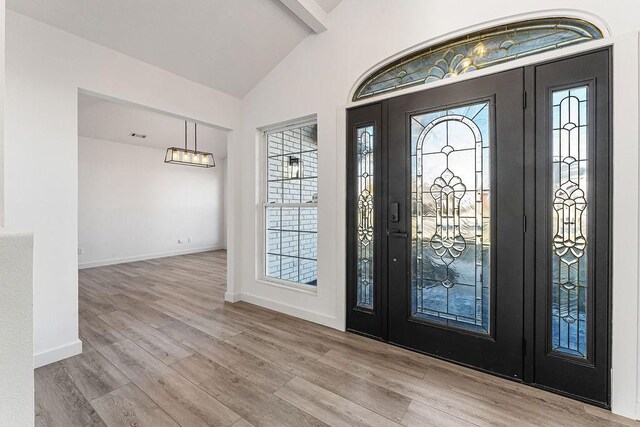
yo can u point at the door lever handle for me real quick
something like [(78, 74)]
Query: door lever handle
[(396, 234)]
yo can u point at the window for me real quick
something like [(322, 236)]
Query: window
[(291, 205), (570, 265), (476, 51), (450, 216), (365, 222)]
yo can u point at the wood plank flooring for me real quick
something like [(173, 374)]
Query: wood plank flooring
[(162, 348)]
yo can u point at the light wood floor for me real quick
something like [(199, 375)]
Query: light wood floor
[(162, 348)]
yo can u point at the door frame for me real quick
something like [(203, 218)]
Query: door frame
[(529, 296), (626, 201)]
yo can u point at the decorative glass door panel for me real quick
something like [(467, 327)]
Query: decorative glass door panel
[(569, 240), (450, 208), (365, 227)]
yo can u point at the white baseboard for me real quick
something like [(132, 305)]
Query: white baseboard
[(56, 354), (114, 261), (229, 297), (311, 316)]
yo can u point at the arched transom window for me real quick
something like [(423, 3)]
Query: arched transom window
[(476, 51)]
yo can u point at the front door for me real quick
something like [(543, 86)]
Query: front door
[(455, 249), (478, 221)]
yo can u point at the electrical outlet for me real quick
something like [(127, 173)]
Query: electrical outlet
[(180, 241), (80, 251), (188, 239)]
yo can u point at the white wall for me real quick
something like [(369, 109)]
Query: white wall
[(16, 298), (16, 329), (2, 78), (45, 68), (317, 78), (133, 206)]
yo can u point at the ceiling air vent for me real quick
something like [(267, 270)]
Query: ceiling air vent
[(137, 135)]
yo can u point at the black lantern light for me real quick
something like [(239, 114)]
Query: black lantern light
[(184, 156), (294, 167)]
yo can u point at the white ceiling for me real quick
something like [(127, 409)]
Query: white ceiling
[(328, 5), (229, 45), (114, 121)]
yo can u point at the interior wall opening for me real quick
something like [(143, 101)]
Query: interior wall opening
[(134, 205)]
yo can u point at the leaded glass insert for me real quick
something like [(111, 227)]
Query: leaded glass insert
[(365, 225), (570, 166), (450, 214), (476, 51)]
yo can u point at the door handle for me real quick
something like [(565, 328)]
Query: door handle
[(396, 234)]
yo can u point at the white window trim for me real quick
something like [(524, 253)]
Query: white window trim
[(261, 240)]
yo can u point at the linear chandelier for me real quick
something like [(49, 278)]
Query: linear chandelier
[(184, 156)]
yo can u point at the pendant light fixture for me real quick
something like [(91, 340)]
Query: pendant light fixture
[(184, 156)]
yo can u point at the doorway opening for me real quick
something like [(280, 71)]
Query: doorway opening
[(132, 204), (151, 234)]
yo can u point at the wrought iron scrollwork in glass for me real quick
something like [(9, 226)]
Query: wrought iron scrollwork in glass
[(365, 225), (450, 212), (476, 51), (570, 165)]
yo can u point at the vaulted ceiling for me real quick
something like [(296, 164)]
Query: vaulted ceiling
[(229, 45)]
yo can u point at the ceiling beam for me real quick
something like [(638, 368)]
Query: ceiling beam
[(310, 12)]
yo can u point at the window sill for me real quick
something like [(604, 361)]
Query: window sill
[(298, 287)]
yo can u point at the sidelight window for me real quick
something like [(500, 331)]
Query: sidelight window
[(365, 220), (570, 269)]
